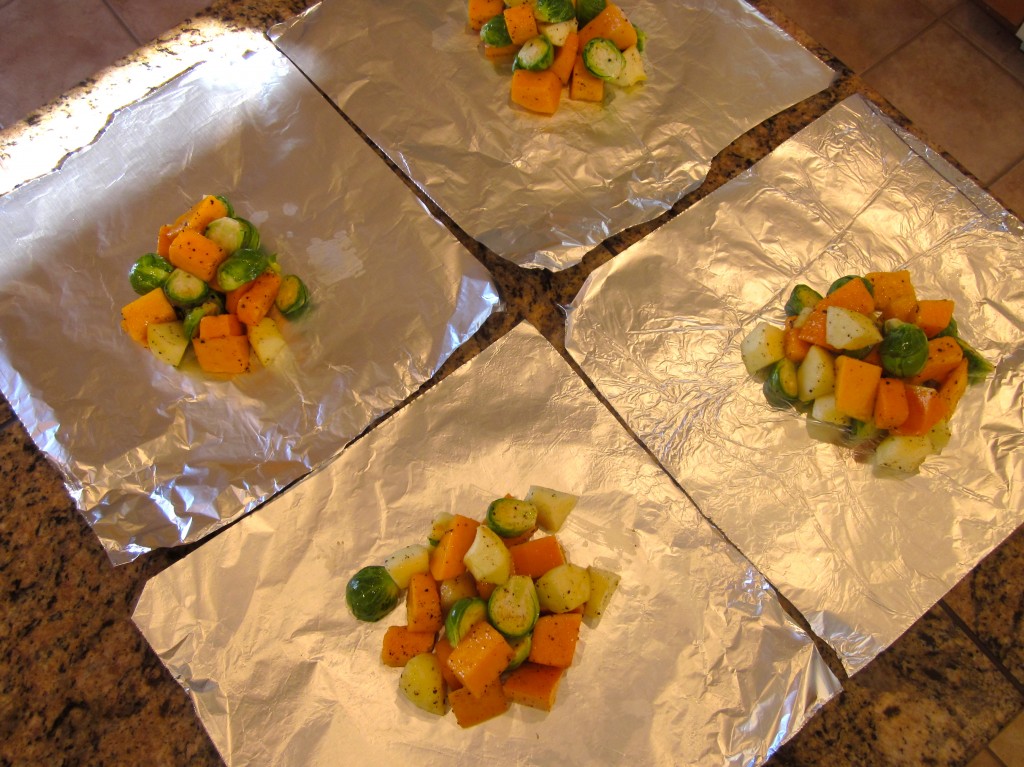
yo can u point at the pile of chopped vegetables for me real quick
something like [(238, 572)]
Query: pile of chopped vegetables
[(870, 357), (493, 613), (557, 45), (210, 287)]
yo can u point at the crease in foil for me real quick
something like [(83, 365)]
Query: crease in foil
[(543, 191), (154, 456), (861, 554), (694, 662)]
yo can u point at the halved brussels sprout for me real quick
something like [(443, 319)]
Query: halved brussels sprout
[(372, 593), (242, 267), (554, 11), (904, 350), (233, 234), (292, 297), (185, 289), (782, 387), (495, 32), (978, 368), (802, 297), (588, 9), (149, 273), (536, 54), (603, 58), (843, 280), (213, 305)]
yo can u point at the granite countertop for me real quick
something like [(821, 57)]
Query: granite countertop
[(80, 686)]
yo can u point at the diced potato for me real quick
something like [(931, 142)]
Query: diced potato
[(634, 71), (266, 340), (762, 347), (558, 33), (406, 562), (824, 409), (553, 506), (816, 375), (563, 588), (423, 683), (939, 436), (167, 341), (488, 559), (903, 453), (603, 584), (847, 329)]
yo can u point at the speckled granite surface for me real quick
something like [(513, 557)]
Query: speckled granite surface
[(78, 684)]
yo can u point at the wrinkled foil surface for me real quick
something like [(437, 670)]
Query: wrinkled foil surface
[(860, 553), (694, 662), (155, 456), (542, 191)]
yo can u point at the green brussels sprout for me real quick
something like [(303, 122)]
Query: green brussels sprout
[(802, 297), (843, 280), (185, 289), (495, 32), (292, 297), (372, 593), (226, 203), (212, 306), (554, 11), (586, 10), (242, 267), (950, 330), (149, 273), (978, 368), (781, 388), (603, 58), (233, 234), (904, 350), (461, 617), (641, 39), (536, 54)]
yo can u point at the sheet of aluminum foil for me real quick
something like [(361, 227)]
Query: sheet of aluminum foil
[(694, 661), (861, 553), (542, 191), (156, 456)]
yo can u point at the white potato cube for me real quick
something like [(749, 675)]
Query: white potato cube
[(824, 409), (553, 506), (266, 340), (167, 341), (563, 588), (762, 347), (634, 71), (488, 559), (816, 375), (558, 33), (602, 585), (405, 563), (847, 329), (903, 452), (422, 682)]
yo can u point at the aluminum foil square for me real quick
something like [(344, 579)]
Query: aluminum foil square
[(155, 456), (694, 662), (542, 191), (862, 554)]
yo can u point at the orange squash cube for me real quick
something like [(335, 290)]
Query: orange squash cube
[(136, 316)]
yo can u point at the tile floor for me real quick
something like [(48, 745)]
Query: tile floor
[(946, 64)]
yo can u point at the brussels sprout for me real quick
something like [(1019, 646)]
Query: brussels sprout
[(843, 280), (641, 39), (149, 273), (802, 297), (904, 350), (372, 593), (460, 619), (513, 607), (495, 32), (863, 431), (782, 387), (292, 297), (554, 11), (950, 330), (978, 368), (213, 305), (185, 289), (233, 234), (588, 9), (511, 517), (520, 651), (226, 203), (242, 267), (536, 54), (603, 58)]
